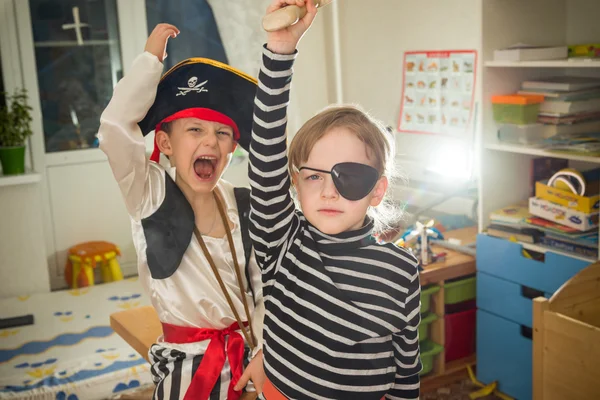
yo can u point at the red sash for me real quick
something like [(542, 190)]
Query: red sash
[(212, 363)]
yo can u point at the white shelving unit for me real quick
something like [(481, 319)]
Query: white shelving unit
[(504, 168), (572, 63), (532, 151)]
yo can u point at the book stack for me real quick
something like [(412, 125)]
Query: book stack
[(570, 113), (516, 223), (553, 218)]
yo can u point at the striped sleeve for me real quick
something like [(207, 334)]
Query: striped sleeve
[(272, 207), (406, 349)]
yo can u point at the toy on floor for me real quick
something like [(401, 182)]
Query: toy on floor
[(422, 233), (84, 257)]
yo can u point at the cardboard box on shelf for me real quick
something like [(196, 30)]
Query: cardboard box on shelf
[(563, 215), (587, 204)]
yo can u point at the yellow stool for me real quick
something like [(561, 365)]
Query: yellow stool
[(84, 257)]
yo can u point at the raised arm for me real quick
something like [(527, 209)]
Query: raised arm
[(272, 207), (120, 136)]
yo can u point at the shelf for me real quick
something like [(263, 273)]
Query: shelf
[(27, 178), (587, 63), (73, 43), (542, 249), (532, 151)]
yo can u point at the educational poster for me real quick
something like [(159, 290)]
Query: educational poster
[(438, 92)]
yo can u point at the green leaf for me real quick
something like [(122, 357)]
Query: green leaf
[(15, 119)]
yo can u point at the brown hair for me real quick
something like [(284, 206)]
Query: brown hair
[(373, 133), (370, 131), (167, 127)]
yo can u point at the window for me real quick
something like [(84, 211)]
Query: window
[(78, 62)]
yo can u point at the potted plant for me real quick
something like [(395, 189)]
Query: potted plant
[(15, 128)]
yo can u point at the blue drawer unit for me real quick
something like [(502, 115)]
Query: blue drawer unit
[(507, 281), (504, 352), (507, 299), (504, 259)]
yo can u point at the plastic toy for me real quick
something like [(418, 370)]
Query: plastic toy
[(422, 233)]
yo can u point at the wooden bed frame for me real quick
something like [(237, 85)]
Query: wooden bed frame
[(566, 340)]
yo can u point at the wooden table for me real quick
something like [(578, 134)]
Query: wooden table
[(455, 265)]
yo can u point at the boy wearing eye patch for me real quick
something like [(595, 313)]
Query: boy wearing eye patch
[(342, 311)]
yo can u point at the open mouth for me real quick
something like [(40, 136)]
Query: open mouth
[(205, 166)]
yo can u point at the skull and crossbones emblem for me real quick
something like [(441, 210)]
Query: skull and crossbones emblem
[(193, 86)]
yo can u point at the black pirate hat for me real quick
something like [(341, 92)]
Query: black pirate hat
[(205, 89)]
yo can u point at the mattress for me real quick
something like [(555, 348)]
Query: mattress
[(70, 352)]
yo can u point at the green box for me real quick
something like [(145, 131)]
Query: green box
[(426, 320), (460, 290), (516, 113), (520, 109), (426, 294), (429, 350)]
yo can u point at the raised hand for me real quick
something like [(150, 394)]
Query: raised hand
[(157, 41), (284, 41)]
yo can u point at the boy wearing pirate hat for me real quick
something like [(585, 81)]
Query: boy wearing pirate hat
[(190, 228)]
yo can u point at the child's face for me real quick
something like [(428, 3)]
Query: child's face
[(319, 199), (200, 150)]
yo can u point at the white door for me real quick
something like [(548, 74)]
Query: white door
[(73, 52)]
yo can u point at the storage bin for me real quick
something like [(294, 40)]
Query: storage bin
[(504, 259), (426, 321), (460, 334), (504, 354), (426, 294), (429, 350), (516, 109), (460, 290), (462, 306), (527, 135)]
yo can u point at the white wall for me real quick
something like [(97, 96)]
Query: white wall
[(23, 266), (375, 36)]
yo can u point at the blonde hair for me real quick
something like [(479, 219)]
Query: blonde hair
[(371, 132)]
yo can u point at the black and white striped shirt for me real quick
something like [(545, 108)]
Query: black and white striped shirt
[(342, 311)]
